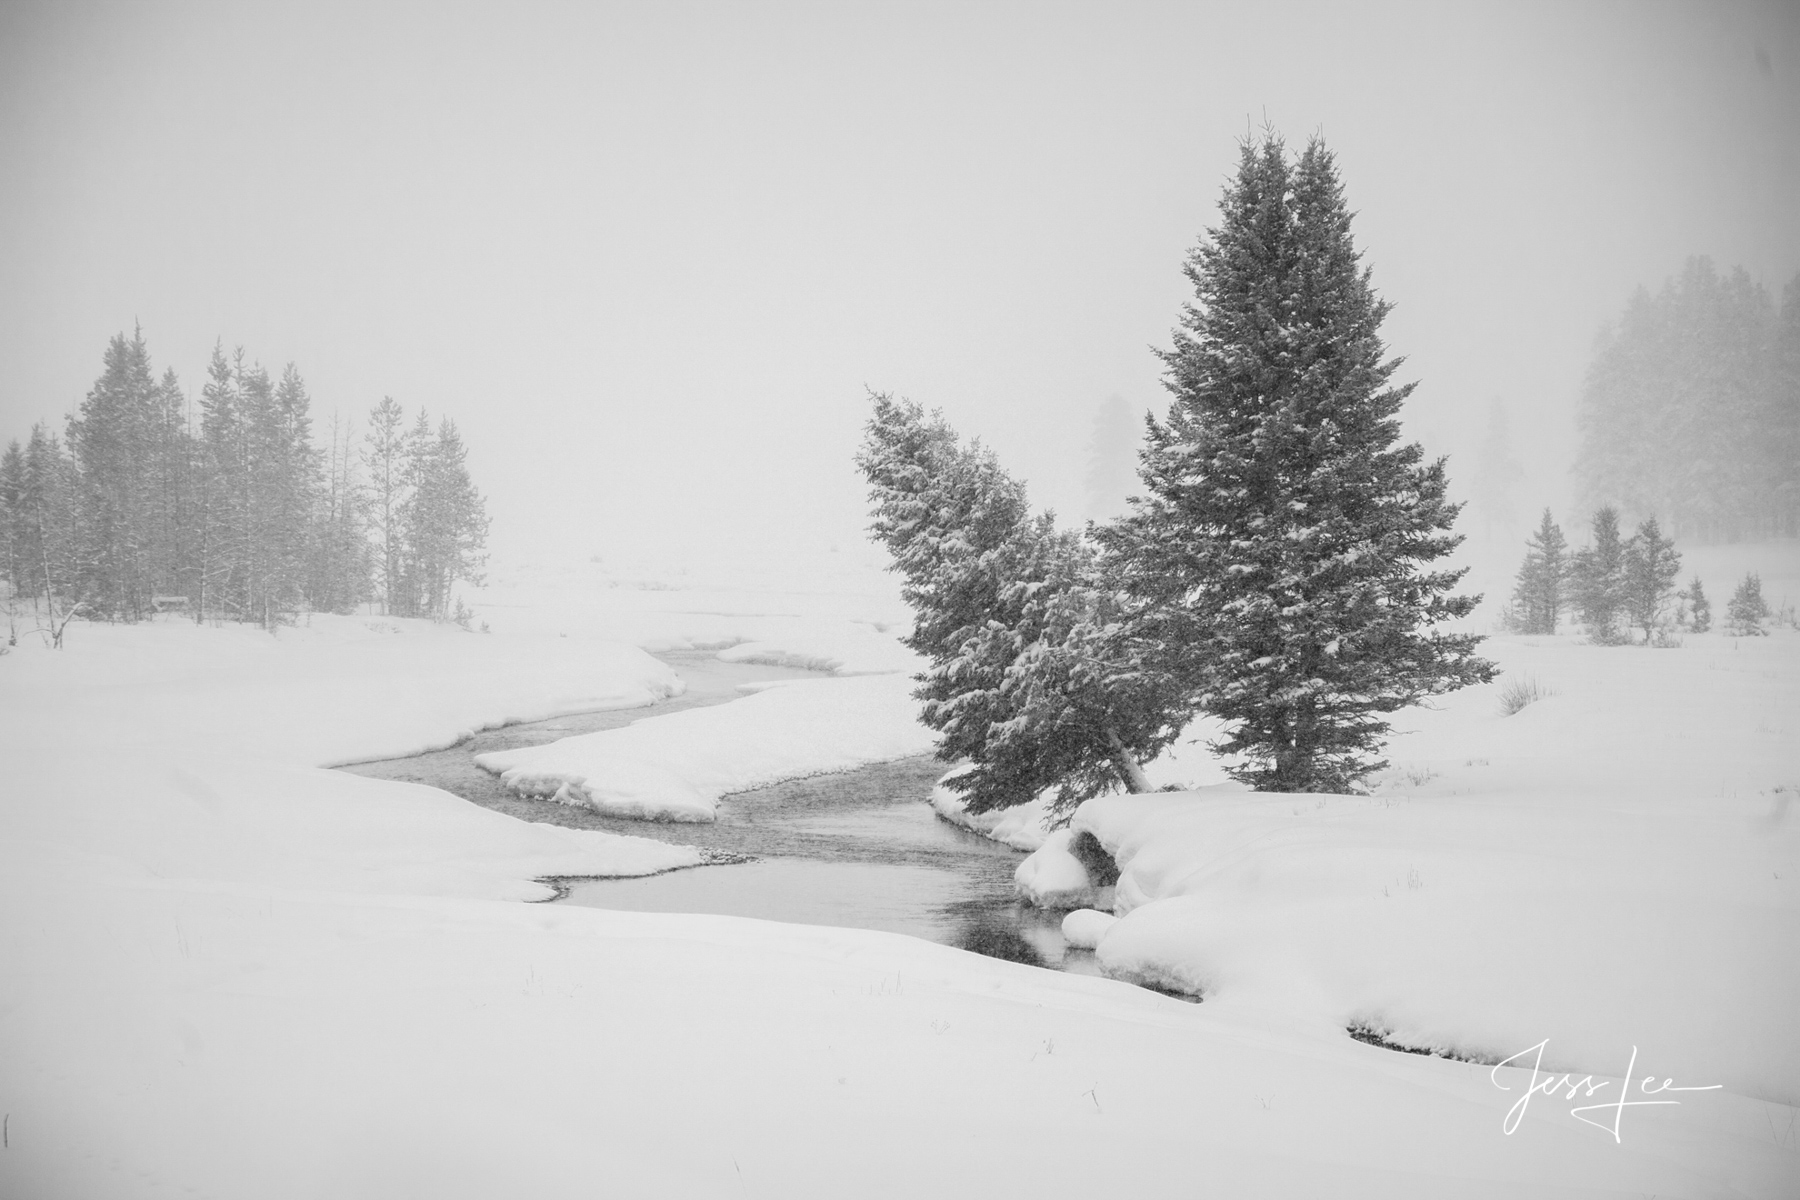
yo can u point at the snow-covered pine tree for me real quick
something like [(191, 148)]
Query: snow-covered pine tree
[(384, 456), (940, 509), (219, 527), (49, 560), (111, 439), (1599, 577), (443, 520), (286, 487), (1543, 579), (257, 478), (341, 559), (172, 512), (1747, 610), (1044, 682), (12, 532), (1650, 568), (1022, 684), (270, 585), (1280, 561), (1699, 608)]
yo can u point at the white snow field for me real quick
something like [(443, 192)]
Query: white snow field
[(230, 973), (838, 616)]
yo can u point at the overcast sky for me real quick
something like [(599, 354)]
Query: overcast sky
[(648, 256)]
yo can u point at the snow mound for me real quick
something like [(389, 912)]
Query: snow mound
[(1084, 927), (1484, 927), (1053, 877), (621, 786), (675, 767)]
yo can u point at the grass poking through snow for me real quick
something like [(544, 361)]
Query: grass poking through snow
[(1520, 692)]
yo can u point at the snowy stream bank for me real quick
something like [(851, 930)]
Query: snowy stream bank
[(857, 849), (282, 981)]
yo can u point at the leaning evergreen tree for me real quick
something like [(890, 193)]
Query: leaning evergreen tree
[(942, 510), (1282, 560), (1651, 565), (1008, 609), (1543, 579)]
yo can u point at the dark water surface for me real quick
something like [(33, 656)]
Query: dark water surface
[(859, 849)]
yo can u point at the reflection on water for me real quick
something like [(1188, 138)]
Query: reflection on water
[(961, 900), (859, 849), (891, 897)]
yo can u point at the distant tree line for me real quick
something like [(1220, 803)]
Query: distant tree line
[(1691, 409), (233, 511), (1616, 587)]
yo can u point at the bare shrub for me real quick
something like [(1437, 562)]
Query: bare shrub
[(1518, 693)]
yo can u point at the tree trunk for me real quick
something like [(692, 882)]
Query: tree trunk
[(1135, 779)]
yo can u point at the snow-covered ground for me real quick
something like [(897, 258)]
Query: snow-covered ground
[(231, 973), (841, 615), (1618, 863)]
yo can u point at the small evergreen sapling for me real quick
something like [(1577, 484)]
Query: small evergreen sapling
[(1599, 577), (1543, 579), (1651, 565), (1745, 614), (1699, 608)]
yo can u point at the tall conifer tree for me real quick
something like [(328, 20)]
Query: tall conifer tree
[(220, 566), (384, 455), (112, 439), (1282, 557)]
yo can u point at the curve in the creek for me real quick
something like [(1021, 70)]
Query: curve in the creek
[(858, 848)]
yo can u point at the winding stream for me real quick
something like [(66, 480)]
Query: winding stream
[(859, 849)]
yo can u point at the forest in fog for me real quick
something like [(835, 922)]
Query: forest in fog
[(1691, 409), (234, 511)]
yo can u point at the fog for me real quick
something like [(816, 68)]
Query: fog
[(649, 257)]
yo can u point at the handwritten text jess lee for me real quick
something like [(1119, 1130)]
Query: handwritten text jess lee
[(1569, 1085)]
